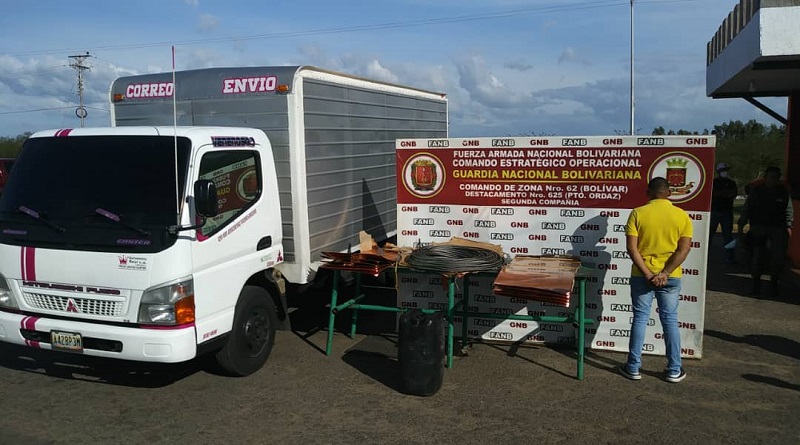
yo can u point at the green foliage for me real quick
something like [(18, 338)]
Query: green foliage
[(10, 147), (748, 147), (533, 134), (660, 131)]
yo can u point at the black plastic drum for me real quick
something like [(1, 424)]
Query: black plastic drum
[(421, 351)]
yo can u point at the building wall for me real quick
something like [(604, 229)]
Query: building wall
[(793, 172)]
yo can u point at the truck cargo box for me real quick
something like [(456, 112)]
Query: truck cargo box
[(333, 138)]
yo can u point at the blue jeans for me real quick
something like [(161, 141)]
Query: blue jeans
[(667, 297)]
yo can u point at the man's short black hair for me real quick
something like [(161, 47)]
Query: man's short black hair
[(773, 169), (658, 185)]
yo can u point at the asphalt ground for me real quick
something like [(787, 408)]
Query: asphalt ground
[(745, 390)]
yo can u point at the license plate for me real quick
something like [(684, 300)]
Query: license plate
[(67, 341)]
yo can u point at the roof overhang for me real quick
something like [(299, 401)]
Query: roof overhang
[(756, 51)]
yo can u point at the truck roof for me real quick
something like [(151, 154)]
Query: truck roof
[(149, 131), (196, 84)]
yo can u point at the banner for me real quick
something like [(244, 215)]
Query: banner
[(554, 195)]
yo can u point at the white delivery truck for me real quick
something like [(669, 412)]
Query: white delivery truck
[(155, 242)]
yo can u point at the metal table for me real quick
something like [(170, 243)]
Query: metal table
[(577, 318)]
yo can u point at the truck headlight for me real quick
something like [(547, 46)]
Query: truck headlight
[(7, 299), (172, 304)]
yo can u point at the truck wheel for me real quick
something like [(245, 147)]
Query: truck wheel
[(253, 334)]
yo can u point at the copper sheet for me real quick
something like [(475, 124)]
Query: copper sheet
[(373, 261), (540, 278)]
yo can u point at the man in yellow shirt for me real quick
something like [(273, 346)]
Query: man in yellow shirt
[(658, 236)]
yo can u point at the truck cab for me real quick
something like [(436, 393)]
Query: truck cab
[(144, 243)]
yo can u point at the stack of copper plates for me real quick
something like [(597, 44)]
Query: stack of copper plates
[(540, 278), (372, 261)]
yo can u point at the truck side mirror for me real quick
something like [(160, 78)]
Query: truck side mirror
[(205, 198)]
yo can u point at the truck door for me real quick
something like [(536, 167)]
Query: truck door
[(225, 252)]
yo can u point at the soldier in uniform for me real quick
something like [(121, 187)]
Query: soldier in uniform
[(723, 193), (769, 211)]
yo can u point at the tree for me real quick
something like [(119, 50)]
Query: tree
[(534, 134), (748, 147), (10, 146)]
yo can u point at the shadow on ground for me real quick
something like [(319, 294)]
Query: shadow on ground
[(735, 278), (376, 357), (771, 381), (771, 343), (100, 370)]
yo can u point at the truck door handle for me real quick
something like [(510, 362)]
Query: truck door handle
[(264, 243)]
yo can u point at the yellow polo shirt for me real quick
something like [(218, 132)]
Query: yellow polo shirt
[(658, 225)]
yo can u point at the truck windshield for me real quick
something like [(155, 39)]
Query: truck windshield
[(66, 179)]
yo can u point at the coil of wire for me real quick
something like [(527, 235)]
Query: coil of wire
[(454, 259)]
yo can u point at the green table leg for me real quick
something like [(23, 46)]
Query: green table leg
[(451, 298), (355, 309), (465, 311), (581, 324), (332, 316)]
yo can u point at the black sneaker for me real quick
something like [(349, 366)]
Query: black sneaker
[(675, 378), (623, 369)]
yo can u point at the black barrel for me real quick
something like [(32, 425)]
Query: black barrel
[(421, 351)]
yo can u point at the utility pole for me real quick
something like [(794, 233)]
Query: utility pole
[(632, 103), (77, 63)]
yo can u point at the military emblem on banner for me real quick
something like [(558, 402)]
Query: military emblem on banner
[(684, 173), (423, 175), (676, 176)]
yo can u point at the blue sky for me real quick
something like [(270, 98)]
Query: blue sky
[(509, 67)]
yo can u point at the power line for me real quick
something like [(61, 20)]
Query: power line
[(34, 72), (373, 27), (35, 110)]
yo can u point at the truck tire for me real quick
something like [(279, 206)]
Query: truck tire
[(252, 335)]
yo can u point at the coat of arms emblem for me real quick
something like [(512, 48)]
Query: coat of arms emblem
[(424, 176)]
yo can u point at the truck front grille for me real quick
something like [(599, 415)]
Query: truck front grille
[(87, 306)]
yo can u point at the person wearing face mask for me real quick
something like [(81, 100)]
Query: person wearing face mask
[(723, 193)]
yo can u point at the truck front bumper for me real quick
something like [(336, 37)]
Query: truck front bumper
[(167, 345)]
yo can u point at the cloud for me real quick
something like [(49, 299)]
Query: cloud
[(484, 87), (48, 76), (196, 58), (314, 55), (560, 107), (549, 24), (518, 66), (570, 55), (567, 55), (360, 65), (376, 71), (442, 78), (207, 23), (191, 2), (486, 97), (438, 78), (40, 94)]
